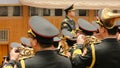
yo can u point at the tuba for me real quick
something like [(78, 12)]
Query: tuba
[(107, 18)]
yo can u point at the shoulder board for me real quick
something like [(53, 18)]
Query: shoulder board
[(76, 52), (65, 20)]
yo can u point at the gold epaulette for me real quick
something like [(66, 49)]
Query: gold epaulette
[(76, 51), (9, 66), (74, 46), (73, 32), (65, 22)]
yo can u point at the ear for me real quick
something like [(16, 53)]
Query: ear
[(103, 30), (34, 43), (117, 34)]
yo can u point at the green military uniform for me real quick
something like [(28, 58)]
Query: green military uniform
[(43, 58), (68, 23), (86, 29), (101, 50), (106, 53)]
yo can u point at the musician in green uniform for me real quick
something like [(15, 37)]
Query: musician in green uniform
[(69, 40), (86, 30), (105, 54), (68, 23), (25, 42), (41, 37)]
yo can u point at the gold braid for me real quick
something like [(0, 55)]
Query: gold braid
[(91, 40)]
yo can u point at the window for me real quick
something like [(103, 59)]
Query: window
[(17, 11), (83, 12), (58, 12), (39, 11), (46, 12), (96, 12), (3, 35), (33, 11), (3, 11), (10, 11)]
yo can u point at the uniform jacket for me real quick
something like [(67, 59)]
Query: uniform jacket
[(68, 24), (47, 59), (107, 55)]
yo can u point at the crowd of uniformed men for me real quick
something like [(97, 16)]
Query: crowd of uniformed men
[(76, 45)]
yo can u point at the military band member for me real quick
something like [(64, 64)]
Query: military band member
[(85, 30), (5, 61), (68, 23), (105, 54), (97, 34), (25, 42), (41, 38), (56, 41), (68, 41), (12, 45)]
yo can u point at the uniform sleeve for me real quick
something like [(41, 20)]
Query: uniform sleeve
[(82, 61), (10, 64)]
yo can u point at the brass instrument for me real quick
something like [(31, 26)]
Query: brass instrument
[(66, 35), (91, 39), (64, 47), (107, 16), (25, 52), (87, 41)]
